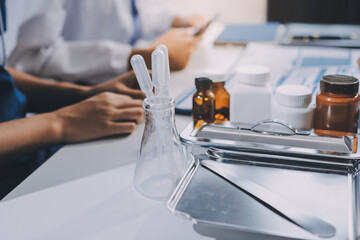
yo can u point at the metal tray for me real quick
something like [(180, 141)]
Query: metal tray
[(322, 181), (205, 198), (305, 149)]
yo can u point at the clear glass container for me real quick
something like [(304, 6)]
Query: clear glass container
[(162, 159)]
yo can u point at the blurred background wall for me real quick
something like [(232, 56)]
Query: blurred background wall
[(245, 11), (230, 11)]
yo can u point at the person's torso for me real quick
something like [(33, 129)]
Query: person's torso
[(89, 20)]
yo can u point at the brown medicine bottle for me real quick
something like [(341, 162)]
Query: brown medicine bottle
[(222, 100), (337, 106), (203, 102)]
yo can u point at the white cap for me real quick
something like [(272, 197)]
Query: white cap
[(215, 74), (293, 96), (253, 74)]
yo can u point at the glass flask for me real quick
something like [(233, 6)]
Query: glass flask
[(162, 159)]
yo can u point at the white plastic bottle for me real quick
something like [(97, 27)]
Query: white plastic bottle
[(250, 98), (291, 105)]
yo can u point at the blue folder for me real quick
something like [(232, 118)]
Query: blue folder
[(241, 34)]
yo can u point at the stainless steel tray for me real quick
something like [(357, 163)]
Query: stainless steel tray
[(322, 181), (302, 150), (205, 198)]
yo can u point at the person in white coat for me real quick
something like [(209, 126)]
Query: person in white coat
[(90, 40)]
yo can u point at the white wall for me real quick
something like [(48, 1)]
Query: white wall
[(243, 11)]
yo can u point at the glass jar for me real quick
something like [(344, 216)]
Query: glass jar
[(337, 106), (162, 159), (203, 102), (222, 101)]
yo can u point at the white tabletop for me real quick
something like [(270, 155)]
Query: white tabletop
[(85, 190)]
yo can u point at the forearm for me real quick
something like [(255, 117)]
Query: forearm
[(103, 115), (23, 136), (46, 95)]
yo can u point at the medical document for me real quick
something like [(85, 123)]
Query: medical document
[(302, 65)]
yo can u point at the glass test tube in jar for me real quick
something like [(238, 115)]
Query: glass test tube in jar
[(337, 106), (222, 98), (203, 102)]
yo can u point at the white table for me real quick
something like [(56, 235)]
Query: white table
[(85, 190)]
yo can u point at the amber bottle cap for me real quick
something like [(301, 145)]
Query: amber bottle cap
[(203, 82), (339, 84)]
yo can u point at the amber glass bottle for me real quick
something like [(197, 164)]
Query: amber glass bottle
[(222, 101), (203, 102), (337, 106)]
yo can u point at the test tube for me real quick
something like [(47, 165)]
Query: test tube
[(142, 75)]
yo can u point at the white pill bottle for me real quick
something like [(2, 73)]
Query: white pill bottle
[(291, 105), (250, 98)]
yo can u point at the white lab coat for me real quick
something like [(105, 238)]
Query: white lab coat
[(84, 40)]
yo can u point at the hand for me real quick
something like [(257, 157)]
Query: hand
[(102, 115), (195, 21), (181, 44), (124, 84)]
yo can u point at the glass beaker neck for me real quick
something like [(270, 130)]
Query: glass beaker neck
[(160, 113), (159, 104)]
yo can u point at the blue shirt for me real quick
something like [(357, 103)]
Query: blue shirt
[(12, 101), (13, 106)]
